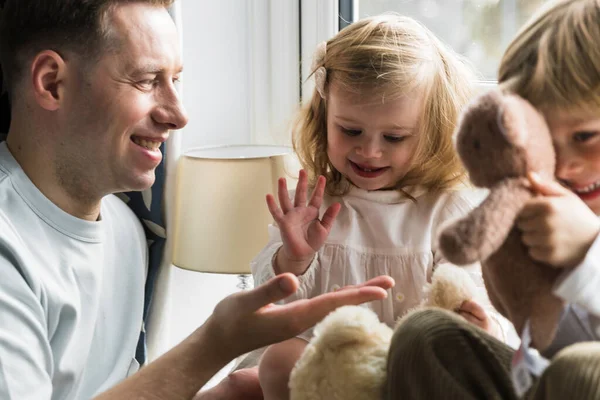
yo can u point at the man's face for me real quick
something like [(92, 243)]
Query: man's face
[(118, 114)]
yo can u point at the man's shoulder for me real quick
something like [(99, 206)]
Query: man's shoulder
[(5, 184), (116, 209), (11, 206), (126, 226)]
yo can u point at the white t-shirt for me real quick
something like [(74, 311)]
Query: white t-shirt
[(71, 293), (381, 233)]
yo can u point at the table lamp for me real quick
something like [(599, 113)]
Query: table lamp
[(221, 217)]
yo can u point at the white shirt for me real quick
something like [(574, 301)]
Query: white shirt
[(71, 293)]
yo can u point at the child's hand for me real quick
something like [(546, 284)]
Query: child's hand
[(302, 232), (559, 227), (475, 314)]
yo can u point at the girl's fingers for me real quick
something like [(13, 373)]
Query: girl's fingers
[(284, 198), (470, 318), (301, 190), (474, 309), (317, 195), (274, 208), (330, 215)]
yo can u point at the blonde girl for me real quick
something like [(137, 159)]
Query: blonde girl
[(375, 143)]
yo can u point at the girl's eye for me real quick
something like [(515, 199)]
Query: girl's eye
[(582, 137), (395, 139), (351, 132)]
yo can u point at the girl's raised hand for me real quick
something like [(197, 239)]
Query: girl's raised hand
[(302, 231)]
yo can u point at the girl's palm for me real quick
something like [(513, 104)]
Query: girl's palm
[(302, 232)]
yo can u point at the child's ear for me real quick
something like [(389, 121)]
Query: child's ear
[(48, 71)]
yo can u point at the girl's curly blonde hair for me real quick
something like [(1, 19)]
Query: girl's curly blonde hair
[(390, 55)]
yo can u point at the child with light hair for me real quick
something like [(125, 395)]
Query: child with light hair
[(375, 143), (554, 63)]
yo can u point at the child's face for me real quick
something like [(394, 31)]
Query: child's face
[(371, 141), (577, 143)]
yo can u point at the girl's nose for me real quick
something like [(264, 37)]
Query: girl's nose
[(369, 148)]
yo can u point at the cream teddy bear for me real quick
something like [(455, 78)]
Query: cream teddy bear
[(347, 357)]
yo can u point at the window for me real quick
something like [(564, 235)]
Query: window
[(478, 29)]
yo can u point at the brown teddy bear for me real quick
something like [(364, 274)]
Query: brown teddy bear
[(501, 138)]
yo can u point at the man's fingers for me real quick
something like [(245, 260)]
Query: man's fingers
[(383, 281), (470, 318), (307, 313), (269, 292), (351, 296), (546, 187)]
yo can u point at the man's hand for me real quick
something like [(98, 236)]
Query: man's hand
[(239, 385), (249, 320), (558, 227)]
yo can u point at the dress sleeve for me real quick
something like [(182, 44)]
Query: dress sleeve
[(456, 205), (25, 352)]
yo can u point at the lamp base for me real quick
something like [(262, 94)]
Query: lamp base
[(245, 282)]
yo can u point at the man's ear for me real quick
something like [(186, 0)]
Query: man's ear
[(48, 71)]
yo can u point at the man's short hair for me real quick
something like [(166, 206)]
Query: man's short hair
[(79, 27)]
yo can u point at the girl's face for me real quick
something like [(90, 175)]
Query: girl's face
[(371, 141), (577, 144)]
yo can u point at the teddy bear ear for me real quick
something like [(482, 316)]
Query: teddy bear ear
[(512, 120)]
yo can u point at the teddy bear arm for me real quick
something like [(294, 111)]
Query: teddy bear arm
[(479, 234)]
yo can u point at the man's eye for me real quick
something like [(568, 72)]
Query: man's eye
[(582, 137), (394, 139), (351, 132), (148, 83)]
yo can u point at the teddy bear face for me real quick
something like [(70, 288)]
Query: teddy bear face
[(502, 136)]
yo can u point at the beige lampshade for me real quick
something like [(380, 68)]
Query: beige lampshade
[(221, 216)]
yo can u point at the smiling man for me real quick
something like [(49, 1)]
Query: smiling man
[(92, 90)]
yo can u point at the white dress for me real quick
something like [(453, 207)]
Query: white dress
[(380, 233)]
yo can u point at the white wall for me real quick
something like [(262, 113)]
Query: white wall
[(217, 98), (216, 65), (240, 85)]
